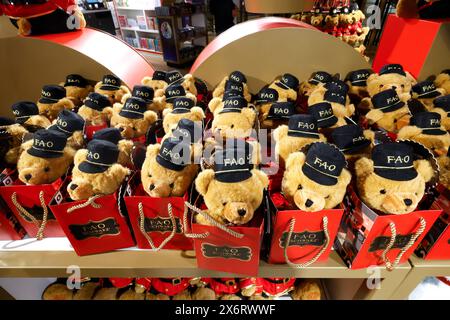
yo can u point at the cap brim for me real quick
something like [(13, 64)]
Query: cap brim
[(354, 149), (109, 88), (170, 99), (56, 128), (394, 107), (22, 120), (318, 177), (303, 134), (434, 132), (397, 174), (88, 167), (230, 110), (74, 85), (42, 154), (130, 115), (232, 177), (331, 121), (180, 111), (432, 94), (169, 165), (313, 81), (91, 105), (46, 101)]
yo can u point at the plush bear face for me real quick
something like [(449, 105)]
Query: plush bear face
[(51, 110), (170, 119), (389, 120), (402, 84), (160, 103), (443, 81), (390, 196), (161, 182), (346, 19), (131, 128), (339, 110), (307, 194), (317, 20), (95, 117), (154, 84), (284, 94), (231, 202), (306, 88), (113, 95), (77, 94), (331, 21), (234, 124)]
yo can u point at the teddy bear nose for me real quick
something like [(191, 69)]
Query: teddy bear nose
[(73, 186), (152, 187), (309, 203), (408, 202), (242, 212), (27, 177), (394, 87)]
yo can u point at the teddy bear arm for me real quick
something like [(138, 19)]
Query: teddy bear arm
[(409, 132), (77, 139), (280, 132), (374, 115), (12, 155), (203, 180)]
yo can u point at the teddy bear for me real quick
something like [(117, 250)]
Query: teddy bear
[(325, 116), (443, 81), (307, 289), (301, 130), (332, 23), (428, 9), (169, 289), (357, 84), (357, 17), (391, 181), (96, 171), (183, 108), (45, 158), (192, 131), (111, 87), (53, 100), (95, 109), (263, 100), (172, 92), (27, 114), (132, 118), (225, 288), (77, 88), (72, 125), (389, 111), (125, 146), (317, 19), (318, 77), (353, 142), (11, 135), (156, 81), (175, 78), (251, 288), (168, 170), (277, 287), (235, 81), (425, 92), (426, 128), (272, 115), (147, 94), (306, 17), (334, 93), (442, 106), (286, 86), (316, 179), (232, 190), (444, 169)]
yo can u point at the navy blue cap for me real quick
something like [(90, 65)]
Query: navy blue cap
[(281, 110), (234, 86), (68, 122), (232, 165), (182, 105), (109, 134), (52, 94), (237, 143), (353, 7), (238, 77), (188, 129), (387, 101), (349, 138), (323, 163), (48, 144), (23, 110), (174, 91), (394, 161), (233, 104), (133, 108), (101, 155), (303, 125), (173, 77), (288, 81), (146, 93), (358, 78), (75, 80), (231, 94), (425, 89), (174, 154), (323, 113), (159, 75), (110, 83), (333, 11), (392, 68), (320, 77), (97, 101), (442, 102), (429, 122), (335, 96), (345, 10), (4, 121), (266, 95)]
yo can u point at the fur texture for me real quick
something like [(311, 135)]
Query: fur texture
[(219, 90), (131, 128), (443, 81), (51, 110), (444, 168), (438, 144), (160, 103), (389, 121), (283, 94), (339, 110), (95, 117), (234, 125), (113, 96), (170, 119)]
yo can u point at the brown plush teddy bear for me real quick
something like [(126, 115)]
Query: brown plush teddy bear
[(45, 159), (192, 132), (443, 81), (335, 93), (145, 93), (170, 289), (133, 118), (175, 78), (233, 190), (94, 110), (165, 100), (444, 169), (325, 117), (27, 115), (307, 289), (167, 170), (236, 82), (96, 171), (301, 130), (353, 142), (157, 81), (317, 19), (425, 92), (53, 100), (317, 78), (317, 179), (442, 106), (426, 128), (183, 108), (286, 86), (125, 146), (332, 22), (357, 84), (77, 88), (111, 87), (11, 135), (70, 124), (391, 181)]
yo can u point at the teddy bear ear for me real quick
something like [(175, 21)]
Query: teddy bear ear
[(117, 107), (192, 97), (125, 146), (160, 93), (166, 111), (280, 132), (346, 176), (203, 180), (67, 103), (363, 166), (80, 156), (369, 135), (214, 103), (97, 85), (374, 115), (150, 116), (262, 177), (424, 168), (119, 172), (152, 150), (295, 160), (27, 145), (125, 89), (125, 97), (108, 111), (198, 113), (408, 132), (410, 78), (250, 114)]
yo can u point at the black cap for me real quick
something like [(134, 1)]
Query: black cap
[(288, 81), (233, 104), (303, 125), (238, 77), (52, 94), (320, 77), (159, 75), (237, 143), (188, 129), (323, 113), (231, 94), (23, 110), (48, 144), (4, 121), (182, 105), (174, 91), (97, 101), (425, 89), (358, 78), (174, 154), (429, 122), (101, 155), (266, 95), (146, 93), (392, 68), (110, 83), (349, 138), (337, 86), (335, 96), (442, 102), (75, 80), (173, 77), (446, 71), (354, 6), (387, 101), (108, 134), (234, 86), (133, 108), (345, 10), (394, 161), (281, 110), (68, 122), (324, 163), (333, 11), (232, 165)]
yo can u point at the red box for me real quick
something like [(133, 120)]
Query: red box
[(100, 226), (308, 242), (421, 46), (364, 235), (89, 130), (436, 243), (28, 197), (158, 224), (10, 228)]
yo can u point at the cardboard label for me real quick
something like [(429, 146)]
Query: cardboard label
[(380, 243), (239, 253), (95, 229), (305, 238), (160, 224)]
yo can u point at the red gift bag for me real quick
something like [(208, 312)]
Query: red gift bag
[(156, 222), (96, 225), (29, 204), (90, 129)]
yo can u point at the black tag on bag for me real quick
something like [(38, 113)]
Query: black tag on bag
[(380, 243), (95, 229), (239, 253), (301, 239), (159, 224)]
